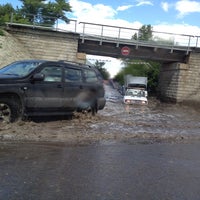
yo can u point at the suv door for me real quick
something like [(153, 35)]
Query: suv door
[(46, 95), (73, 86), (93, 87)]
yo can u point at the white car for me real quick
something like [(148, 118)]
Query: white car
[(135, 96)]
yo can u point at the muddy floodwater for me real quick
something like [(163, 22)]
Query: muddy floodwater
[(117, 122)]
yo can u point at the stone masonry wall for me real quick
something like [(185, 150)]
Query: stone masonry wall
[(47, 44), (28, 43), (11, 50), (180, 82), (167, 87), (189, 81)]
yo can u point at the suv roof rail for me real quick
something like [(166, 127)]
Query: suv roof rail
[(67, 61), (73, 62)]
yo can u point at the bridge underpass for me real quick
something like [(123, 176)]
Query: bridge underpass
[(135, 52), (110, 40), (179, 80)]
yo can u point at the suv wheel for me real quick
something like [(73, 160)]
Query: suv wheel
[(93, 109), (9, 110)]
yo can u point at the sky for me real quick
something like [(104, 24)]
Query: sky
[(174, 16)]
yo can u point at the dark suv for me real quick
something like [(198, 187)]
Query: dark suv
[(38, 87)]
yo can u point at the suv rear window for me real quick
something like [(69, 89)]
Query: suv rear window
[(90, 76), (72, 75)]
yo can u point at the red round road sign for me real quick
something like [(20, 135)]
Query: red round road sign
[(125, 51)]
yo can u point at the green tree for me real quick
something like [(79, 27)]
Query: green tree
[(39, 12), (58, 9), (42, 12), (144, 33), (105, 74), (5, 13), (119, 77), (135, 37), (153, 76)]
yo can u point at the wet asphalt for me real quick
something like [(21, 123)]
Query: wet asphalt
[(127, 169), (105, 171)]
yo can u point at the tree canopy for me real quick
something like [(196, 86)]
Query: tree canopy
[(5, 12), (144, 33), (99, 65), (36, 11)]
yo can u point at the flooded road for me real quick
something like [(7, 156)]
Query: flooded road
[(116, 122), (157, 119)]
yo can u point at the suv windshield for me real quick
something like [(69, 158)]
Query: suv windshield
[(20, 69)]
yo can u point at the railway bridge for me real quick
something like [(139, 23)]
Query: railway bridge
[(179, 53)]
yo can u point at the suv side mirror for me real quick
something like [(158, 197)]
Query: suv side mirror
[(38, 77)]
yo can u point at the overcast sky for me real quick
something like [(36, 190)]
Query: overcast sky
[(181, 16)]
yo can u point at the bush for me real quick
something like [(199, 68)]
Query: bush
[(1, 32)]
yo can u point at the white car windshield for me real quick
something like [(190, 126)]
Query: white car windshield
[(135, 93), (20, 69)]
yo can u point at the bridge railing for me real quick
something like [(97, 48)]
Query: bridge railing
[(35, 21), (115, 34), (120, 34)]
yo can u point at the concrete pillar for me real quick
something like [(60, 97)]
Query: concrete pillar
[(180, 82)]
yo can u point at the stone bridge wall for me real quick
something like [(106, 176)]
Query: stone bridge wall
[(11, 50), (45, 44), (180, 82)]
